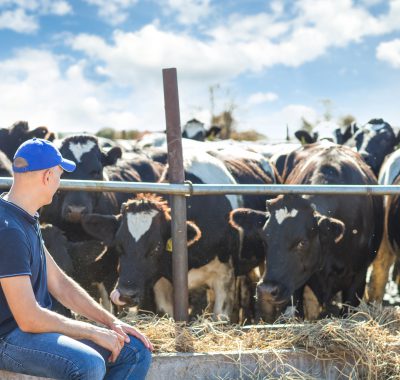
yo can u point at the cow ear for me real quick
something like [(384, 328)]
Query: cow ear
[(247, 219), (39, 132), (111, 157), (101, 227), (193, 233), (331, 230), (304, 137)]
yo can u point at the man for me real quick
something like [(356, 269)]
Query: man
[(33, 339)]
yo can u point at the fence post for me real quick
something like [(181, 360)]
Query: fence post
[(176, 174)]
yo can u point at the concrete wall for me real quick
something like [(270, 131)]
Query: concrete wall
[(234, 365)]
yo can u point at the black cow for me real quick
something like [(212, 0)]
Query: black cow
[(374, 141), (85, 261), (195, 130), (11, 138), (5, 166), (325, 242)]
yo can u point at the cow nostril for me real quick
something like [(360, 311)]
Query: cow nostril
[(274, 291)]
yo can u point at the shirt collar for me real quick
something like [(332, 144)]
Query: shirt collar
[(20, 211)]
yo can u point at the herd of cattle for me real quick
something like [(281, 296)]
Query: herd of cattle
[(255, 254)]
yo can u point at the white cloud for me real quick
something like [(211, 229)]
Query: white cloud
[(22, 16), (18, 21), (188, 11), (389, 52), (34, 88), (113, 11), (262, 97)]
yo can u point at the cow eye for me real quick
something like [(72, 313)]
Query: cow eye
[(301, 245)]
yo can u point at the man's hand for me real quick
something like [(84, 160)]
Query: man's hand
[(110, 340), (124, 329)]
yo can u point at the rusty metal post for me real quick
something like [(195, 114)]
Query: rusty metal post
[(176, 174)]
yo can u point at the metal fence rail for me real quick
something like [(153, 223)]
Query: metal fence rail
[(189, 189)]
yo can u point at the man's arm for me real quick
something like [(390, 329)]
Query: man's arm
[(31, 317), (74, 297)]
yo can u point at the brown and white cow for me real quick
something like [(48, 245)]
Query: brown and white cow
[(325, 242)]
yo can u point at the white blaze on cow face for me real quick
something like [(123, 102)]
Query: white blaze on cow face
[(283, 214), (78, 149), (139, 223)]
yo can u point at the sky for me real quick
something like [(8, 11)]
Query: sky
[(82, 65)]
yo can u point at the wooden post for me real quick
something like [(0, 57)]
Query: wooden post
[(176, 174)]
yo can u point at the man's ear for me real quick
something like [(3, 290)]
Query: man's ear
[(101, 227), (331, 230), (251, 221)]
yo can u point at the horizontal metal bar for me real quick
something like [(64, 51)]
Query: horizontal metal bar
[(206, 189)]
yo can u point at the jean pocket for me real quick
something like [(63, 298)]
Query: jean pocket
[(9, 363)]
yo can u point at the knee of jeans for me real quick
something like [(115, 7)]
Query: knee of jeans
[(92, 368), (142, 354)]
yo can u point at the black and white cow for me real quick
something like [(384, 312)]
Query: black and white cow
[(325, 242), (195, 130), (143, 230), (374, 141), (11, 138)]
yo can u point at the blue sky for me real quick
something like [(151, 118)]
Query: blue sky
[(80, 65)]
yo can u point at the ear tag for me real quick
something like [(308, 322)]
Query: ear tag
[(168, 246)]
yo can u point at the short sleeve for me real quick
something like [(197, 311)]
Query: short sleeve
[(15, 255)]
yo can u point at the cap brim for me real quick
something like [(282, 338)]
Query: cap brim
[(68, 165)]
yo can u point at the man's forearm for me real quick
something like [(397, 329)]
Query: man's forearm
[(42, 320), (77, 299)]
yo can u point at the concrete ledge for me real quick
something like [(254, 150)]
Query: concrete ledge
[(234, 365)]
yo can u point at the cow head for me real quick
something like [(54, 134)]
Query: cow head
[(90, 162), (142, 236), (374, 141), (296, 240)]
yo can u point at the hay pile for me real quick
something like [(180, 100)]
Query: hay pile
[(369, 338)]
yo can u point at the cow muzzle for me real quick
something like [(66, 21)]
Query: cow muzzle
[(120, 298), (74, 213), (272, 292)]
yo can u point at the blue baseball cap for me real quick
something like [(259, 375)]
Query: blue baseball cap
[(39, 154)]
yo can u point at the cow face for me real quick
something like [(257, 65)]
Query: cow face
[(90, 162), (296, 240), (374, 141), (142, 236)]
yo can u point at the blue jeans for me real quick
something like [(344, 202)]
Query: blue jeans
[(60, 357)]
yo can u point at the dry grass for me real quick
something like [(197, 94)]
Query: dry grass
[(369, 339)]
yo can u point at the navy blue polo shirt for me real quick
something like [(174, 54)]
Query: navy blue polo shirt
[(21, 253)]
